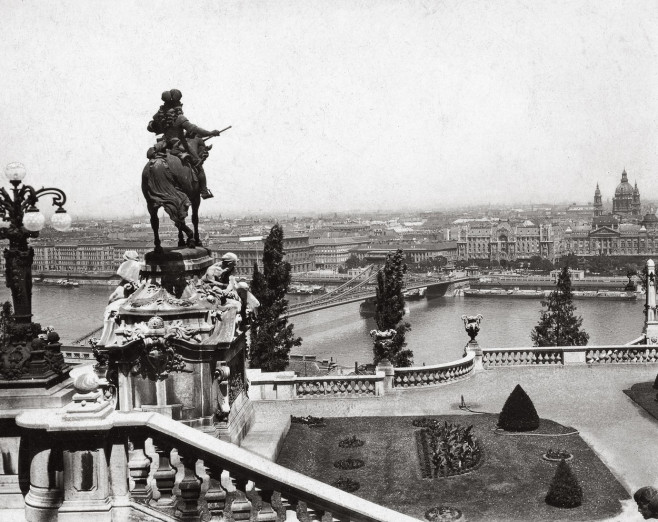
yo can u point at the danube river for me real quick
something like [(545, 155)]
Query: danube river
[(437, 332)]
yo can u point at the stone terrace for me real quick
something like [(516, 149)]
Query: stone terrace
[(590, 399)]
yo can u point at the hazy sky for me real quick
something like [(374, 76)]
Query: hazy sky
[(336, 105)]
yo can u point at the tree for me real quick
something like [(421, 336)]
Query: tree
[(352, 262), (570, 260), (271, 336), (558, 326), (564, 491), (518, 413), (389, 311)]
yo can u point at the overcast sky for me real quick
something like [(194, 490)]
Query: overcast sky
[(336, 105)]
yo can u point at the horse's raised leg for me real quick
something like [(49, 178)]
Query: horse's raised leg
[(195, 219), (155, 225), (181, 239)]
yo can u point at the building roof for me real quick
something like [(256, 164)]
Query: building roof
[(624, 188)]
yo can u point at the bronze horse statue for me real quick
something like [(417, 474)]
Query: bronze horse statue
[(172, 184)]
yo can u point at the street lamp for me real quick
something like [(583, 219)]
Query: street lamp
[(21, 219)]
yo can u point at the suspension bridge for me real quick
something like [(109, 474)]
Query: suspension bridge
[(362, 287), (359, 288)]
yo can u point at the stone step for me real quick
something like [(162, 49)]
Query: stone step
[(266, 436)]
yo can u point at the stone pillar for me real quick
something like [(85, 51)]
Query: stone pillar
[(651, 324), (118, 473), (388, 370), (86, 478), (474, 347), (45, 496), (125, 388)]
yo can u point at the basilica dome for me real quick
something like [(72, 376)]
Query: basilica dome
[(624, 188)]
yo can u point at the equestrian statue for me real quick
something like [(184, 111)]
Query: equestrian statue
[(174, 178)]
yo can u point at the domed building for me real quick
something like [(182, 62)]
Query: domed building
[(627, 199)]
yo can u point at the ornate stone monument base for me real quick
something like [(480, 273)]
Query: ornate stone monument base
[(178, 345)]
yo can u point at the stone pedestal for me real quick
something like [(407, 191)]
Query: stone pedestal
[(388, 370), (187, 343), (474, 348)]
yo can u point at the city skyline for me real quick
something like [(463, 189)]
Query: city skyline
[(337, 106)]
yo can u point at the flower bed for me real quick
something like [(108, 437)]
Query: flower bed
[(351, 442), (349, 463), (443, 514), (346, 484), (446, 449), (309, 420), (553, 455)]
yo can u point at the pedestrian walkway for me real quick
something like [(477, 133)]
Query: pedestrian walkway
[(591, 399)]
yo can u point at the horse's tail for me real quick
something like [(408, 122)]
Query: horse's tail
[(160, 189)]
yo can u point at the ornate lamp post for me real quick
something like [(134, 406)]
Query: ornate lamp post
[(21, 219)]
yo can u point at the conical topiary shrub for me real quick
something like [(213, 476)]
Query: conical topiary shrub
[(655, 383), (565, 491), (518, 414)]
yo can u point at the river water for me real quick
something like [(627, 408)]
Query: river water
[(437, 332)]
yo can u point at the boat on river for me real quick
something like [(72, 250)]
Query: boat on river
[(603, 295), (298, 289), (415, 294), (501, 292), (607, 295)]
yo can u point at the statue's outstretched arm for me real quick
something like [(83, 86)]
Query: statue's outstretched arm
[(190, 128)]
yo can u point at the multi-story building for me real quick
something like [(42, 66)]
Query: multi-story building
[(503, 240), (298, 252), (608, 236), (332, 252), (418, 252)]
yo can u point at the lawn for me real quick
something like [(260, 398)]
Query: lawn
[(510, 484)]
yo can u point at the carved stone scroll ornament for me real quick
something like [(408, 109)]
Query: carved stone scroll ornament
[(220, 392)]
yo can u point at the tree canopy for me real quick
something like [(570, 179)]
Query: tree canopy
[(558, 324), (271, 336), (389, 311)]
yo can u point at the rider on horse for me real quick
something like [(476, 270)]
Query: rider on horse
[(176, 128)]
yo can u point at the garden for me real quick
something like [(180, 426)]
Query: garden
[(444, 467)]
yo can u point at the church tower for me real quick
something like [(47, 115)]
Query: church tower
[(635, 205), (598, 204)]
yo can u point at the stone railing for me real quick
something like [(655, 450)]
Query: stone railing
[(435, 374), (285, 385), (157, 468), (78, 354), (350, 386), (567, 355), (625, 354), (496, 357)]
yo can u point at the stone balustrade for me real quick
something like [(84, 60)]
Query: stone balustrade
[(433, 375), (497, 357), (77, 354), (565, 355), (145, 462), (286, 385), (625, 354)]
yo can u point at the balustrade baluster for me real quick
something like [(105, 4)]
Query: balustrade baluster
[(266, 512), (291, 505), (315, 513), (165, 475), (216, 495), (139, 465), (190, 488), (241, 506)]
